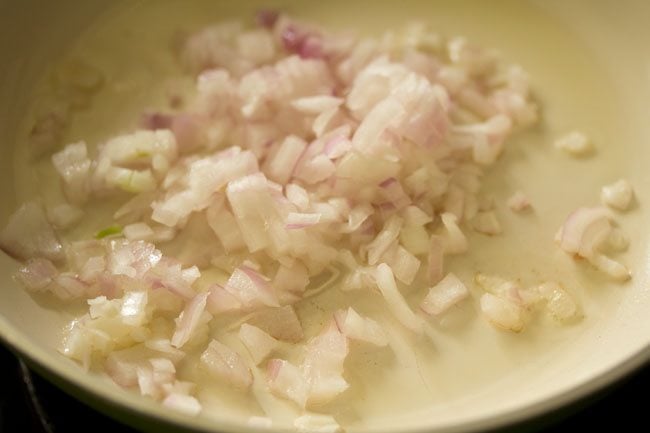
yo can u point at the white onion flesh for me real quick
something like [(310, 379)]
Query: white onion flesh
[(617, 195), (259, 343), (223, 363), (444, 295)]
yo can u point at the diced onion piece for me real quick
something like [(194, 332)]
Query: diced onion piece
[(502, 313), (486, 223), (281, 165), (183, 403), (138, 232), (223, 363), (133, 308), (221, 301), (558, 301), (617, 195), (316, 104), (610, 267), (37, 274), (133, 181), (618, 240), (405, 265), (356, 327), (394, 299), (292, 279), (132, 259), (297, 220), (253, 207), (259, 343), (122, 365), (506, 289), (315, 170), (575, 143), (444, 295), (519, 202), (189, 320), (323, 365), (414, 216), (223, 224), (73, 165), (251, 289), (287, 381), (164, 347), (28, 234), (383, 240), (456, 240), (63, 216), (584, 230), (298, 196), (583, 233), (415, 239), (316, 423)]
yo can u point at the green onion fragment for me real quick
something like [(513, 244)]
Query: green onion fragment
[(109, 231)]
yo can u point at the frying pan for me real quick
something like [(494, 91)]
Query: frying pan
[(590, 70)]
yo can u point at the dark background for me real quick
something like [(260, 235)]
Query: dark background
[(626, 405)]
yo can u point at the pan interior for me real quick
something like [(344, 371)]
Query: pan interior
[(588, 72)]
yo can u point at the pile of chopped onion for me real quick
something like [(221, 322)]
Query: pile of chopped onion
[(301, 155)]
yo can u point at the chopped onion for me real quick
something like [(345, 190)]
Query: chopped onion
[(189, 319), (138, 232), (221, 301), (279, 168), (37, 274), (394, 299), (558, 301), (225, 364), (456, 241), (28, 234), (584, 232), (313, 157), (323, 365), (316, 104), (251, 289), (259, 343), (383, 240), (507, 289), (502, 313), (519, 202), (356, 327), (575, 143), (292, 279), (486, 223), (444, 295), (316, 423), (183, 403), (297, 220), (63, 216), (405, 265), (73, 165), (286, 380), (133, 308), (617, 195)]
